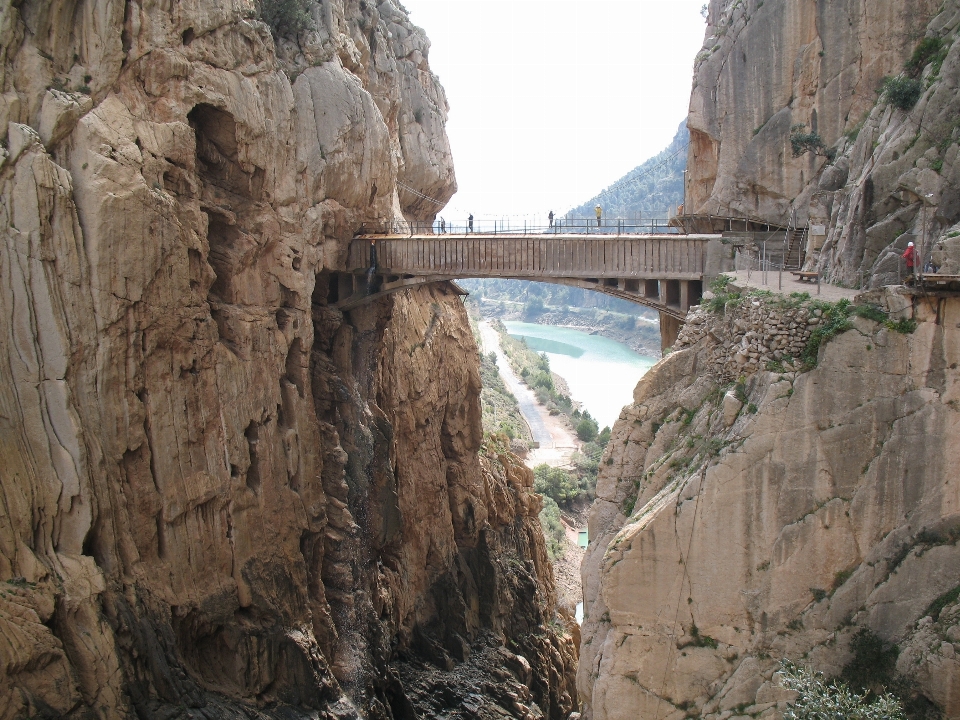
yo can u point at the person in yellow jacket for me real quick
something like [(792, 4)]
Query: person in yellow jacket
[(599, 211)]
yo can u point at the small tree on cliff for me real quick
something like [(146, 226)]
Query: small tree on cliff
[(803, 142)]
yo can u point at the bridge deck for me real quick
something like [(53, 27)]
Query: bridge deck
[(668, 256), (664, 272)]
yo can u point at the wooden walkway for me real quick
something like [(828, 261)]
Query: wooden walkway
[(665, 272)]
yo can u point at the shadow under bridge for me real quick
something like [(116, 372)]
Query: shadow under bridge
[(663, 272)]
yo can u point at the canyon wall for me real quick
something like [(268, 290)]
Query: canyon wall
[(748, 512), (883, 176), (222, 497), (773, 491)]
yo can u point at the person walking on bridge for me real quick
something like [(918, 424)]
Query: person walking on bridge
[(550, 218), (599, 211), (470, 223)]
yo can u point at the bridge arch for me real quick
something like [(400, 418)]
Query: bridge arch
[(668, 297)]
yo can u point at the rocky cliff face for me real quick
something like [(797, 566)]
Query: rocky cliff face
[(745, 515), (222, 497), (884, 175)]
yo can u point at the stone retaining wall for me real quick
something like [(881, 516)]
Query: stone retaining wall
[(751, 334)]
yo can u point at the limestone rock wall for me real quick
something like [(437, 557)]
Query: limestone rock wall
[(221, 496), (767, 66), (744, 519)]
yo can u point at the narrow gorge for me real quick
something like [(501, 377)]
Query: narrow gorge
[(224, 497)]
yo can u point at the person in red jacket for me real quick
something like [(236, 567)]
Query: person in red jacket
[(910, 256)]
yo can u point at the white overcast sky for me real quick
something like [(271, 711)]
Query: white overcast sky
[(551, 101)]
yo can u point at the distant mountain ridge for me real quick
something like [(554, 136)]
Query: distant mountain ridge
[(653, 189)]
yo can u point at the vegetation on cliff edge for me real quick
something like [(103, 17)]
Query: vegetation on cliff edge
[(819, 699)]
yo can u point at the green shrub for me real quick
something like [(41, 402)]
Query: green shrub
[(700, 640), (587, 428), (557, 484), (926, 51), (841, 577), (740, 391), (819, 700), (904, 326), (937, 606), (833, 321), (604, 437), (870, 312), (721, 296), (553, 531), (873, 664), (902, 92), (543, 380), (286, 18)]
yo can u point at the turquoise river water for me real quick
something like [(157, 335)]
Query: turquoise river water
[(601, 372)]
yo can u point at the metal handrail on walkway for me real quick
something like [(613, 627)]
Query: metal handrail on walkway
[(730, 223), (513, 226)]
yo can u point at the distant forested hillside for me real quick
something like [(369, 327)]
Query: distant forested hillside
[(652, 189)]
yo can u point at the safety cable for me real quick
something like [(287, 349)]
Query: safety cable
[(420, 194)]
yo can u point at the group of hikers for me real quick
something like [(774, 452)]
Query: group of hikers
[(550, 216)]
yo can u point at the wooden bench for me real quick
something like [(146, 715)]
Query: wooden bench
[(805, 276)]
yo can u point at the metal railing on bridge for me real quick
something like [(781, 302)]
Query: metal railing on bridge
[(515, 226)]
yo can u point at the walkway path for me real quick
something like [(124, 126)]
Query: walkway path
[(830, 293), (525, 397)]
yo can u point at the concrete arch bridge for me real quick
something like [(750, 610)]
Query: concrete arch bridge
[(663, 272)]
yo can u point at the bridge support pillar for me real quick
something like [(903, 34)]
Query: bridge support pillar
[(670, 292), (691, 292), (669, 330)]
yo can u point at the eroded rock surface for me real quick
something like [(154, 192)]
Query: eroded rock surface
[(222, 497), (744, 519), (884, 175)]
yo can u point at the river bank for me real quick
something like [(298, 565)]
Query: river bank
[(643, 338), (556, 440)]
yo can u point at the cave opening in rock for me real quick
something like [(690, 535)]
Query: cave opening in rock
[(252, 434)]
